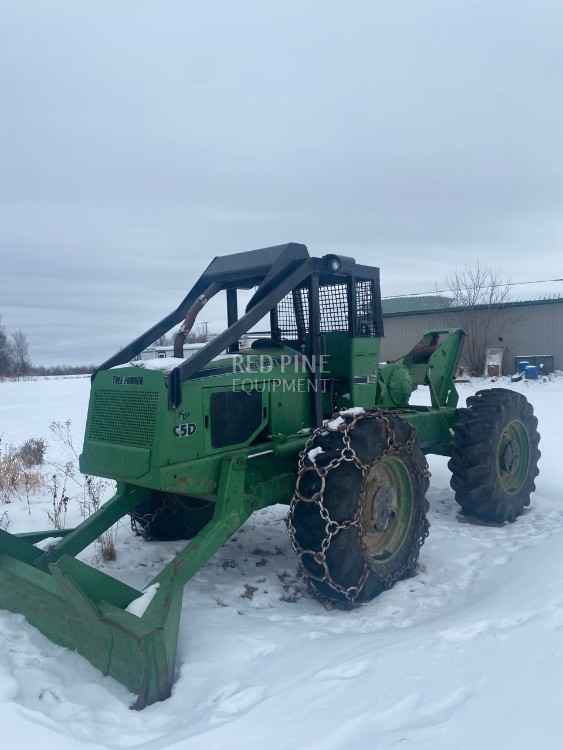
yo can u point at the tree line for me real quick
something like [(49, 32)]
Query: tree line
[(14, 353), (15, 360)]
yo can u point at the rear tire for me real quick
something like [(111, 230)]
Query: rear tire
[(357, 531), (167, 517), (495, 455)]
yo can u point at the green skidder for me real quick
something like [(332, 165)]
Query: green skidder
[(299, 412)]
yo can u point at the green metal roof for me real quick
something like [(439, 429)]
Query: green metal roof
[(438, 308), (400, 305)]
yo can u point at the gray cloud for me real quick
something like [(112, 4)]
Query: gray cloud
[(140, 139)]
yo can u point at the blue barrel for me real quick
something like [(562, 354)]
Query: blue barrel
[(522, 364), (532, 372)]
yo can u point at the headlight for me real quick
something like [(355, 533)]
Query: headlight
[(333, 263)]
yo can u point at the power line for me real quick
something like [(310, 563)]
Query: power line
[(490, 286)]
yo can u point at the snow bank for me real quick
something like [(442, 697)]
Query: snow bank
[(467, 654)]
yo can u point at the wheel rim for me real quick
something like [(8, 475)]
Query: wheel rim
[(387, 508), (513, 456)]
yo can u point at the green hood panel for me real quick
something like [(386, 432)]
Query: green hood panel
[(126, 405)]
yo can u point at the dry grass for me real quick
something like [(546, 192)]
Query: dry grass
[(95, 488), (59, 501), (18, 478), (92, 489)]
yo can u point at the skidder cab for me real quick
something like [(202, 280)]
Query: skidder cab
[(289, 404)]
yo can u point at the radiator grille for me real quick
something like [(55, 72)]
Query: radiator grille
[(123, 417)]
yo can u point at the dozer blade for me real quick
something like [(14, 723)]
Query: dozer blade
[(85, 610)]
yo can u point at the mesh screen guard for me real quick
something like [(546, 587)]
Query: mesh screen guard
[(335, 300)]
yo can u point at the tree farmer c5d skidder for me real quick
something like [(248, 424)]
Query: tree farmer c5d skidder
[(197, 446)]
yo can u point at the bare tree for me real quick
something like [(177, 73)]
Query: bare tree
[(479, 292), (20, 349), (6, 353)]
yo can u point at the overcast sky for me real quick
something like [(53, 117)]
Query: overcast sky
[(140, 139)]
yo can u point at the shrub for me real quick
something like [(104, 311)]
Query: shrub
[(32, 452)]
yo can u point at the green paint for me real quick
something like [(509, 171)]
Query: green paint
[(134, 437), (513, 456)]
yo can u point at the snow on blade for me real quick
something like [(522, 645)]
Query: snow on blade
[(140, 605)]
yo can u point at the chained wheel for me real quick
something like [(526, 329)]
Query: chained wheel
[(164, 516), (357, 519), (495, 455)]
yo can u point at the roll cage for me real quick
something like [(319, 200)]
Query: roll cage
[(304, 296)]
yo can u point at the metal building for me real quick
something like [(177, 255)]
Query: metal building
[(529, 329)]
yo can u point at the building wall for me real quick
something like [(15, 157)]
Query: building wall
[(530, 329)]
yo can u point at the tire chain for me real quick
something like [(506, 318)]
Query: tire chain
[(141, 525), (332, 527)]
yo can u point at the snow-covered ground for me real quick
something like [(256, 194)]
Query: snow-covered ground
[(468, 654)]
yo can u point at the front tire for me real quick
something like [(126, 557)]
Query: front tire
[(495, 455), (358, 516), (167, 517)]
